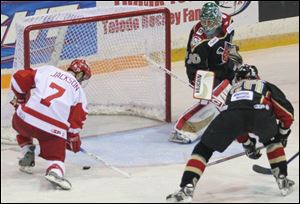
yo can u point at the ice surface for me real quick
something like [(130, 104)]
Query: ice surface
[(155, 164)]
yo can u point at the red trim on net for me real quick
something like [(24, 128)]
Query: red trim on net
[(165, 11), (168, 65)]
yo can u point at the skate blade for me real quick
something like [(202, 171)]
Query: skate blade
[(178, 139), (286, 191), (26, 169), (60, 182), (172, 199)]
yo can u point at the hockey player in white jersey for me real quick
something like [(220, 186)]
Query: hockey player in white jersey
[(54, 114)]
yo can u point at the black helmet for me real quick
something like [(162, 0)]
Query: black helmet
[(246, 72)]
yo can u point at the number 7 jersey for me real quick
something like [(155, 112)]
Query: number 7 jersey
[(57, 103)]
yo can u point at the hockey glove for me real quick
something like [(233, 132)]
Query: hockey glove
[(251, 150), (16, 101), (73, 142), (235, 56)]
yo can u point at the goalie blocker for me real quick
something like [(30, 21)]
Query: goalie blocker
[(204, 83)]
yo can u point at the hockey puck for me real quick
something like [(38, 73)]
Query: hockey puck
[(86, 167)]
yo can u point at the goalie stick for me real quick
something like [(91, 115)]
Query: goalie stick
[(104, 163), (202, 76), (168, 71), (267, 171)]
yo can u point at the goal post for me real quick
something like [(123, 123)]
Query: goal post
[(117, 43)]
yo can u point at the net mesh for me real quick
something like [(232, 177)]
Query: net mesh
[(124, 54)]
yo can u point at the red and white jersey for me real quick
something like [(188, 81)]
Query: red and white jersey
[(57, 103)]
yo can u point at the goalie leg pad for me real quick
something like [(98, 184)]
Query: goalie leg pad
[(194, 122), (192, 125)]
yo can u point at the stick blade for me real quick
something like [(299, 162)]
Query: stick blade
[(261, 170)]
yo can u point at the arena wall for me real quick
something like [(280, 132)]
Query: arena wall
[(252, 29)]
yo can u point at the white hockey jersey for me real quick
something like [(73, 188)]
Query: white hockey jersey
[(57, 103)]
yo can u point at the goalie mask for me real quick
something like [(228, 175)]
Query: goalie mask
[(211, 19), (81, 70)]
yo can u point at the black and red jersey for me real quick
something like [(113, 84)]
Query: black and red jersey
[(250, 94), (210, 54)]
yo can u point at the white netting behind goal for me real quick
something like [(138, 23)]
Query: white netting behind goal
[(124, 46)]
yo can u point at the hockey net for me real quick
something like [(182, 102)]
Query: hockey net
[(125, 47)]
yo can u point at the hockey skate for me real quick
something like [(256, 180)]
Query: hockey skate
[(27, 163), (184, 195), (285, 185), (57, 180), (183, 137), (251, 151), (178, 137)]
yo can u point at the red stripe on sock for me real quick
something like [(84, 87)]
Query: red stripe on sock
[(197, 164), (276, 153)]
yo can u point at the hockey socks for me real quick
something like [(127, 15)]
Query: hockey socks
[(276, 156), (277, 159), (196, 165), (193, 171)]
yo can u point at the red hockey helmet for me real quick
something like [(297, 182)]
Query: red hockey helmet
[(80, 65)]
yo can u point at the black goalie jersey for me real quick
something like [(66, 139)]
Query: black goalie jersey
[(210, 54), (256, 94)]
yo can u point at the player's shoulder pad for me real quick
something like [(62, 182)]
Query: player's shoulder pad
[(198, 36), (227, 23)]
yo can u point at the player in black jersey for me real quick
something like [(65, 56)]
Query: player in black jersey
[(210, 45), (209, 48), (252, 106)]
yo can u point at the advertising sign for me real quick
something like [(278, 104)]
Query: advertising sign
[(14, 11), (185, 14)]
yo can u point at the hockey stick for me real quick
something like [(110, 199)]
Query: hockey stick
[(161, 68), (168, 71), (104, 163), (267, 171), (229, 158)]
